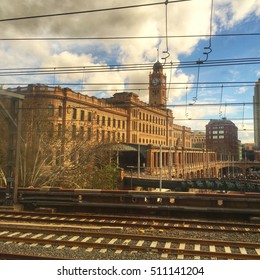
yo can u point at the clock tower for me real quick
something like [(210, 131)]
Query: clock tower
[(157, 86)]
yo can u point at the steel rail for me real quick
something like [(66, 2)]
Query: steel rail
[(64, 230), (158, 249), (147, 222)]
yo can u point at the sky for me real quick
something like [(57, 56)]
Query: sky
[(139, 39)]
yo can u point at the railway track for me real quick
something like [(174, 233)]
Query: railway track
[(130, 222), (89, 241)]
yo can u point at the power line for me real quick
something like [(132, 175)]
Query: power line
[(123, 67), (132, 88), (126, 37), (231, 83), (123, 105), (91, 11)]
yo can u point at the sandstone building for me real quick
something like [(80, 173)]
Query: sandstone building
[(123, 119)]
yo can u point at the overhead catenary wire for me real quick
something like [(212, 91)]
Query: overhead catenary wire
[(221, 97), (169, 84), (143, 5), (145, 106), (173, 85), (243, 116), (195, 98), (166, 52), (126, 37), (186, 101), (208, 49), (142, 106), (124, 67)]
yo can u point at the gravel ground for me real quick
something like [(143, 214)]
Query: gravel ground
[(110, 254)]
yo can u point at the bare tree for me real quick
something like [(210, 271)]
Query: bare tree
[(68, 159), (56, 153)]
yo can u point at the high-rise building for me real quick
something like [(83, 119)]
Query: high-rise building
[(222, 136), (256, 100)]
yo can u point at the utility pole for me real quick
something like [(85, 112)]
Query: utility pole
[(160, 166), (138, 161), (170, 163)]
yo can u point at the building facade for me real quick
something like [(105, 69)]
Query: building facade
[(198, 139), (222, 136), (122, 119), (256, 102)]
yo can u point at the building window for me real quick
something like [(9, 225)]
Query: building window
[(82, 115), (97, 119), (50, 110), (89, 116), (114, 122), (60, 111), (118, 123), (103, 120), (74, 113), (103, 135), (109, 122), (134, 125)]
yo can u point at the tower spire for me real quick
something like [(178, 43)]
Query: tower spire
[(157, 86)]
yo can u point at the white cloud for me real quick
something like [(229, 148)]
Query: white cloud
[(231, 12)]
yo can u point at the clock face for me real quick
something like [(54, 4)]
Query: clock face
[(155, 81)]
